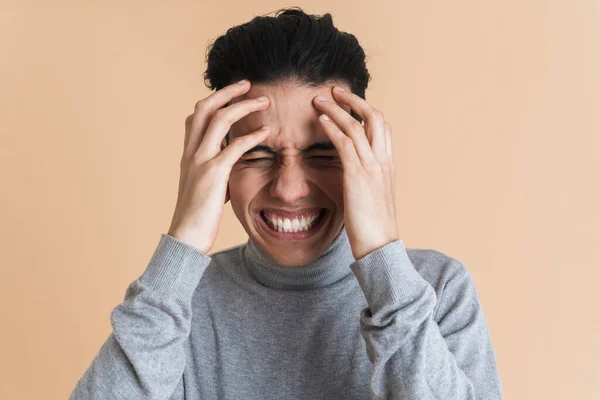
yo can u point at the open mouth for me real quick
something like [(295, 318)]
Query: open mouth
[(295, 227)]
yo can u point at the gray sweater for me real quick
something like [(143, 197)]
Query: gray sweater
[(396, 324)]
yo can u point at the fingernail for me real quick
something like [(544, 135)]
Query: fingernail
[(262, 98), (243, 82), (339, 89), (321, 98), (325, 117)]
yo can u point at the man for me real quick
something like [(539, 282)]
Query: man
[(323, 301)]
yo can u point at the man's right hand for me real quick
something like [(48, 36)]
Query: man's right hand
[(206, 165)]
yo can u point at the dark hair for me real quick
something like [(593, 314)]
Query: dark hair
[(292, 46)]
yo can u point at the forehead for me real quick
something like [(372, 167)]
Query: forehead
[(291, 115)]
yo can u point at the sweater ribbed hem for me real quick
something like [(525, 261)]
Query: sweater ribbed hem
[(386, 275), (175, 268)]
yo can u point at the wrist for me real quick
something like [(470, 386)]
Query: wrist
[(190, 238)]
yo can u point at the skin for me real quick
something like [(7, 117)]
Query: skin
[(369, 173), (289, 179), (357, 185)]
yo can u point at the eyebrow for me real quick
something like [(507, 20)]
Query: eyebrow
[(325, 145)]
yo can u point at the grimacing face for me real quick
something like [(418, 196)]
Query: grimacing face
[(292, 182)]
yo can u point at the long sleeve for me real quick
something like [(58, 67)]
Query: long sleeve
[(143, 358), (419, 352)]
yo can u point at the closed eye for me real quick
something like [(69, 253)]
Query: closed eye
[(257, 159), (320, 158), (324, 157)]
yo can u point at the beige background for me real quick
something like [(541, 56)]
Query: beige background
[(495, 109)]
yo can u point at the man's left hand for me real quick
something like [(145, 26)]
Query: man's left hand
[(369, 174)]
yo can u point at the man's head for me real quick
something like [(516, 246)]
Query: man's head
[(295, 172)]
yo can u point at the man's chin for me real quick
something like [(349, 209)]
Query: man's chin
[(287, 250)]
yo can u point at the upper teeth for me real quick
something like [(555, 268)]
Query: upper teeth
[(297, 224)]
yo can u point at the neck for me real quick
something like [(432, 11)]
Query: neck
[(331, 266)]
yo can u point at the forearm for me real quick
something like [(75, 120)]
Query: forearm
[(143, 358), (413, 356)]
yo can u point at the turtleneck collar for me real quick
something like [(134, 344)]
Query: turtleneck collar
[(331, 266)]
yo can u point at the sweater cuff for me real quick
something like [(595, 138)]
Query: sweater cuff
[(386, 276), (175, 268)]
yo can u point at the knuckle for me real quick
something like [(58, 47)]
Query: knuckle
[(200, 106), (195, 159), (355, 125), (237, 141), (375, 169), (219, 113), (377, 116), (202, 163), (212, 165), (347, 143), (188, 121), (222, 116)]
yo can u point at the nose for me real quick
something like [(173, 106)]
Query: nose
[(289, 183)]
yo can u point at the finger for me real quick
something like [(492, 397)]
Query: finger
[(373, 120), (344, 144), (222, 121), (348, 125), (388, 136), (239, 145), (204, 110), (388, 144), (188, 129)]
